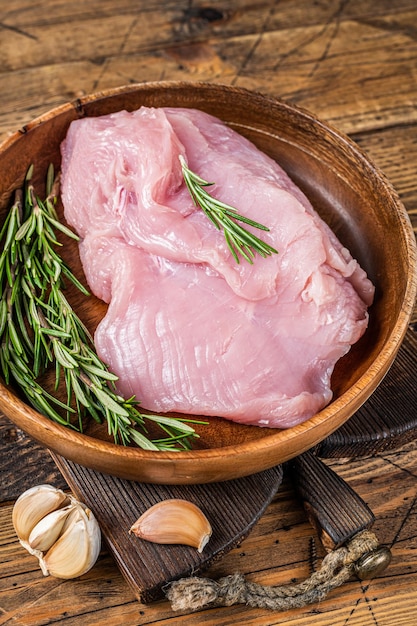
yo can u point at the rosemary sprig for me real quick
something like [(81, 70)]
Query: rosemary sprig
[(39, 330), (223, 216)]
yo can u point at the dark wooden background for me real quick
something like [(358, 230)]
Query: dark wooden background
[(352, 63)]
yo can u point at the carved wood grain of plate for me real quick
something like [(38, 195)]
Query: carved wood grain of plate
[(233, 508), (388, 419)]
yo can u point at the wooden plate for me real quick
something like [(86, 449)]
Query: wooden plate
[(349, 192)]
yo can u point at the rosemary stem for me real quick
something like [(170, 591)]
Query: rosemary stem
[(39, 328), (223, 216)]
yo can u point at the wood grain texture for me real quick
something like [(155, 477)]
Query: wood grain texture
[(147, 566), (278, 551), (20, 451), (388, 419), (333, 508), (354, 64)]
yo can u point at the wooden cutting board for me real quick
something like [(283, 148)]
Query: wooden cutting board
[(233, 508)]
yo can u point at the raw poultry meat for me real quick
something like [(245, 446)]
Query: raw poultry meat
[(187, 328)]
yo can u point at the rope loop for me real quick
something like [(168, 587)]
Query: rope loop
[(194, 593)]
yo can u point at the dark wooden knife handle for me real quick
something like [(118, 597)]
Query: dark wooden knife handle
[(334, 509)]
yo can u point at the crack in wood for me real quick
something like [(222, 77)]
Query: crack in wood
[(18, 31), (408, 30), (255, 45), (334, 17), (335, 20), (127, 35), (369, 605), (403, 522)]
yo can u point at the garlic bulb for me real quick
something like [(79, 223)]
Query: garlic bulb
[(174, 521), (58, 529)]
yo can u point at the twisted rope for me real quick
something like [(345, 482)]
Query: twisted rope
[(193, 594)]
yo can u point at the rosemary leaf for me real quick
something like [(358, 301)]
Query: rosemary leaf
[(25, 230), (11, 229), (50, 179), (109, 402), (239, 240), (3, 315), (63, 356), (143, 441), (99, 372), (14, 337), (78, 390), (171, 422), (62, 228)]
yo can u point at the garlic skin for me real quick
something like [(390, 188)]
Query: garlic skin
[(174, 521), (77, 548), (25, 515), (58, 529), (48, 529)]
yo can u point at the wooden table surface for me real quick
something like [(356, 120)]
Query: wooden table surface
[(354, 64)]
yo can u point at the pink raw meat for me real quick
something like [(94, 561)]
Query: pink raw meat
[(187, 328)]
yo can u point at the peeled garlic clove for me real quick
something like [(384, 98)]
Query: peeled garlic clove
[(48, 529), (174, 521), (77, 549), (32, 505)]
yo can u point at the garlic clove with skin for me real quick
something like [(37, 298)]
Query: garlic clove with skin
[(174, 521), (76, 550), (58, 529), (48, 529), (32, 505)]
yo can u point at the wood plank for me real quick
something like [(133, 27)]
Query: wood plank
[(387, 419), (147, 566), (394, 150), (19, 451), (352, 69), (172, 21), (343, 71), (275, 553)]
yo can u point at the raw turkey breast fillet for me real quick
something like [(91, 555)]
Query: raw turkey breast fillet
[(188, 329)]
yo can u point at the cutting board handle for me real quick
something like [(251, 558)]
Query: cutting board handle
[(334, 509)]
